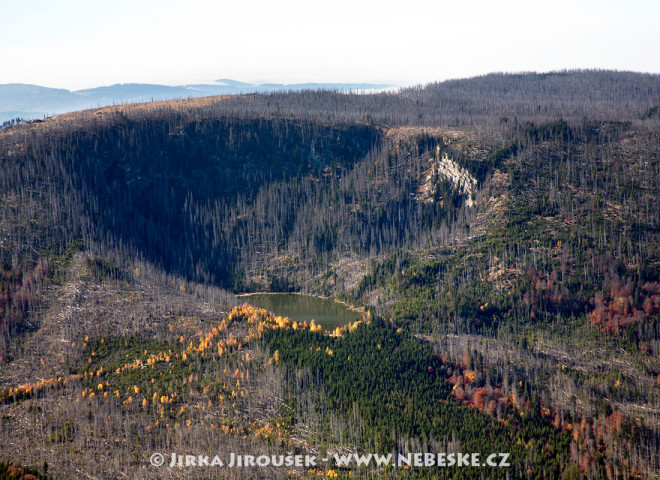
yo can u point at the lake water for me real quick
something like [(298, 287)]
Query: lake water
[(327, 313)]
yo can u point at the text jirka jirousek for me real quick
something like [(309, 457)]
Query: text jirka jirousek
[(426, 459)]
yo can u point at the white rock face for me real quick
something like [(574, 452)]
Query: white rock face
[(458, 176)]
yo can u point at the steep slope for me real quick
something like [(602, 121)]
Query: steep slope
[(505, 228)]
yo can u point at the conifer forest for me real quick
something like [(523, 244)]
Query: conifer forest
[(499, 237)]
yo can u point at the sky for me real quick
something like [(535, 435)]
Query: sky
[(77, 44)]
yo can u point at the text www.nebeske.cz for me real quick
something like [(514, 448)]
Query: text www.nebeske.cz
[(401, 460)]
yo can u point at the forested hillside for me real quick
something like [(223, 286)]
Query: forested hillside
[(503, 232)]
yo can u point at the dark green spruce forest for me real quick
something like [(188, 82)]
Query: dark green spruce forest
[(499, 234)]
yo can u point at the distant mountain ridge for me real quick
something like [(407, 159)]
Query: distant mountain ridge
[(26, 101)]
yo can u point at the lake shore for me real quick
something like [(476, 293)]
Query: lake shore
[(362, 310)]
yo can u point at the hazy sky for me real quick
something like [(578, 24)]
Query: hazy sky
[(84, 43)]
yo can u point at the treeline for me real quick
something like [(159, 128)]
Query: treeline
[(494, 103)]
